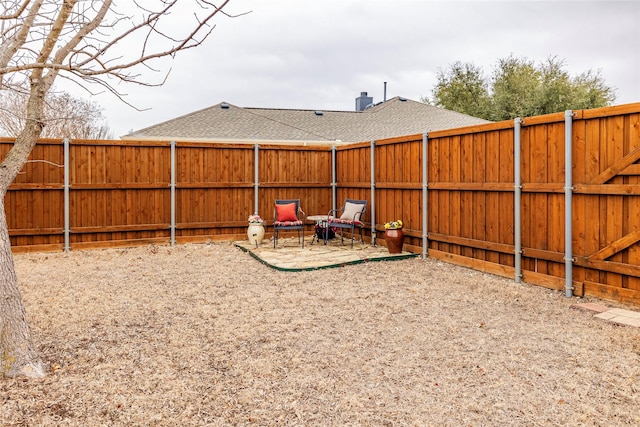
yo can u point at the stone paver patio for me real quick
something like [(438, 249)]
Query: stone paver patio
[(290, 256)]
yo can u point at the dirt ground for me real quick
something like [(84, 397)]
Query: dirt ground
[(205, 335)]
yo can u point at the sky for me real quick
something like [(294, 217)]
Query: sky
[(321, 55)]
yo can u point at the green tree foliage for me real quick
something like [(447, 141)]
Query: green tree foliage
[(463, 89), (518, 88), (515, 86)]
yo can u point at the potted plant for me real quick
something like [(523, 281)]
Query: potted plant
[(255, 231), (394, 236)]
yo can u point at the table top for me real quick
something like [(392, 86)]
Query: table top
[(317, 217)]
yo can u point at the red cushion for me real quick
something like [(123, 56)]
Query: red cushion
[(286, 212)]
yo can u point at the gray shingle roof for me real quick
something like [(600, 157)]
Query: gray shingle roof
[(395, 117)]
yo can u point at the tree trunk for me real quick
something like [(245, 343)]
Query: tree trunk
[(41, 42), (18, 356)]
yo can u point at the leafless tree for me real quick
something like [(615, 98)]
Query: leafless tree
[(90, 42), (66, 116)]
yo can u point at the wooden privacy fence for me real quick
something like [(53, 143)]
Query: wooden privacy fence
[(492, 197), (120, 193)]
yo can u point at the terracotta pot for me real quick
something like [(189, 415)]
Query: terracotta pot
[(255, 232), (395, 239)]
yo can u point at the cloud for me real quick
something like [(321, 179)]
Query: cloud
[(321, 55)]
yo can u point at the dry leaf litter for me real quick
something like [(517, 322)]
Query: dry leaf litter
[(205, 335)]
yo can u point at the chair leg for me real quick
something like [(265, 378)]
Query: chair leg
[(353, 235), (275, 237)]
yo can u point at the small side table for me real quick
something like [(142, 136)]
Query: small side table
[(321, 226)]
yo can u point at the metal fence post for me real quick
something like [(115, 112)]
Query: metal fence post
[(334, 184), (517, 197), (67, 228), (425, 195), (568, 202), (373, 193), (256, 182), (172, 185)]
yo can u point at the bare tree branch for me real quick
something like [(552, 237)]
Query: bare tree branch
[(11, 43), (65, 116), (91, 59), (89, 42), (10, 5)]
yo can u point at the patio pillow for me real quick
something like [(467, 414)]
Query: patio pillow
[(350, 210), (286, 212)]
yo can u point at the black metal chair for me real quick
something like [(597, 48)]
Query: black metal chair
[(288, 216), (349, 217)]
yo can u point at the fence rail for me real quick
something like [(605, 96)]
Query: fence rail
[(492, 197)]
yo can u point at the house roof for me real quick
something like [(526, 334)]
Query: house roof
[(224, 122)]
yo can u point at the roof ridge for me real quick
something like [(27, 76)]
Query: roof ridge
[(299, 109)]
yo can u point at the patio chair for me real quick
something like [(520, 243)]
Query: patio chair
[(349, 217), (288, 216)]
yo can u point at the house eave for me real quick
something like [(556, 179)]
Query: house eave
[(236, 141)]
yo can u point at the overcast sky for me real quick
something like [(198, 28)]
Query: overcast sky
[(322, 54)]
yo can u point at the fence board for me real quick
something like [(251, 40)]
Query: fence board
[(506, 200), (492, 175), (633, 208)]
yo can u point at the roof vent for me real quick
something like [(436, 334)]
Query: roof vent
[(224, 106), (318, 113), (402, 99)]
